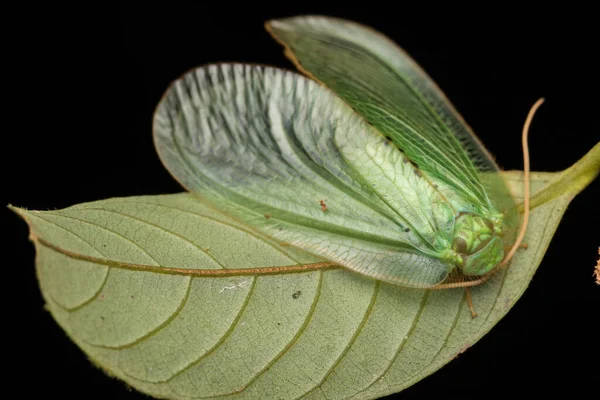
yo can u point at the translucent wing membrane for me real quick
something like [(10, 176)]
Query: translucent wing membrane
[(266, 146), (383, 84)]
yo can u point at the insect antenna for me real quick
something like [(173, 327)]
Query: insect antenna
[(456, 279), (526, 182)]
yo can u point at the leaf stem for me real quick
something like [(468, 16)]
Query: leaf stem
[(571, 181)]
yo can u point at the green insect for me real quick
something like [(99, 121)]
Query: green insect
[(413, 198)]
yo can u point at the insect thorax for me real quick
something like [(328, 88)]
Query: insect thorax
[(478, 243)]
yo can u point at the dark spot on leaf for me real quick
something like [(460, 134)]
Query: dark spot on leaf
[(418, 173), (103, 245), (296, 294), (405, 160), (407, 230), (279, 323), (132, 296), (323, 205), (102, 318), (389, 139), (267, 216)]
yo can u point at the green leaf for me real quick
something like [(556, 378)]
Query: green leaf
[(131, 280)]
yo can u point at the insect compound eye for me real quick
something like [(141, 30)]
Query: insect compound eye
[(460, 245), (489, 224)]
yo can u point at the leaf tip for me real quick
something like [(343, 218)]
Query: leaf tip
[(11, 207), (21, 212), (24, 214)]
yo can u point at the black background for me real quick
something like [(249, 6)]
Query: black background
[(83, 84)]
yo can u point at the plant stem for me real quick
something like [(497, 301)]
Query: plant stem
[(571, 181)]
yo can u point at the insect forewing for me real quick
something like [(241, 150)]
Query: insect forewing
[(383, 84), (266, 146)]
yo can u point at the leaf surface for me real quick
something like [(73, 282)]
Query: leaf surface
[(317, 334)]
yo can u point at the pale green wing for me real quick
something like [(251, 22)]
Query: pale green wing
[(266, 146), (383, 84)]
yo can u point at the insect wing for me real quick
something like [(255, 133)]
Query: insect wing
[(383, 84), (265, 146)]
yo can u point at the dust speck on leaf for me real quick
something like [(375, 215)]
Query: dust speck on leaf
[(296, 294), (241, 285)]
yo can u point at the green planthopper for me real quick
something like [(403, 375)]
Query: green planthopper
[(413, 197)]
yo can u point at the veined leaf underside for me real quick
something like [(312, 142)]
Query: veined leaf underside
[(307, 335)]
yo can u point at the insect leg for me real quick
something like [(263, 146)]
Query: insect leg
[(470, 302)]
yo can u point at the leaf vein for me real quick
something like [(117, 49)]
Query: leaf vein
[(164, 230), (293, 341), (247, 231), (224, 337), (362, 324), (106, 273), (401, 347)]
